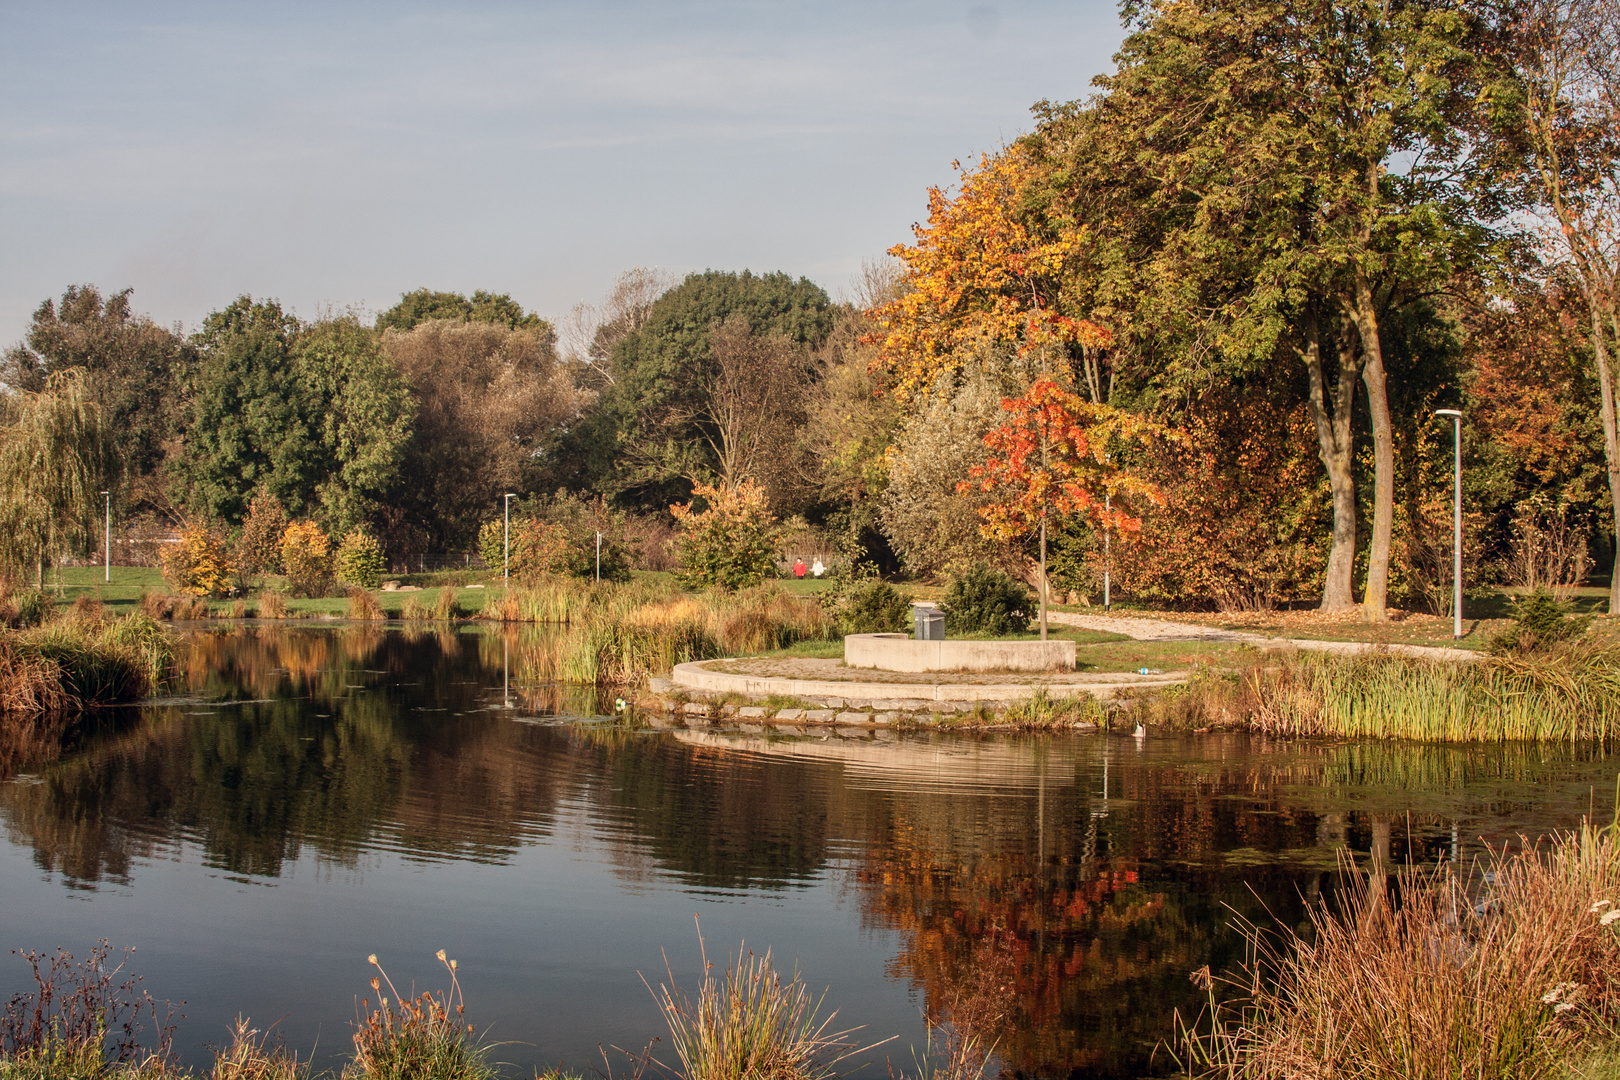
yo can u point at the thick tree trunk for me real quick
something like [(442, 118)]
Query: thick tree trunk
[(1043, 575), (1376, 600), (1611, 438), (1333, 445)]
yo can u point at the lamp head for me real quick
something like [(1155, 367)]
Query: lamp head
[(1456, 413)]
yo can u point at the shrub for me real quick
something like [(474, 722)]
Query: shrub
[(986, 601), (306, 556), (360, 559), (538, 549), (1539, 621), (258, 548), (199, 564), (447, 608), (24, 609), (420, 1037), (867, 605), (732, 544)]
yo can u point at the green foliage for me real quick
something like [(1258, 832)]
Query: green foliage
[(664, 369), (425, 305), (1540, 621), (359, 559), (56, 456), (862, 603), (252, 418), (732, 543), (134, 366), (362, 421), (987, 601)]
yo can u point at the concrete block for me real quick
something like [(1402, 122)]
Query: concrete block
[(853, 717), (752, 712), (819, 716), (889, 717), (789, 714), (696, 708), (897, 652)]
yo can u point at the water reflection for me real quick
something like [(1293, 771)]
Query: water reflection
[(1052, 893)]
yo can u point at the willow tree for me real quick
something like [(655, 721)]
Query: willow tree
[(56, 458)]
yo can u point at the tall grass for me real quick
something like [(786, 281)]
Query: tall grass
[(364, 606), (1566, 694), (623, 634), (750, 1025), (73, 663), (272, 605), (1514, 972), (420, 1037)]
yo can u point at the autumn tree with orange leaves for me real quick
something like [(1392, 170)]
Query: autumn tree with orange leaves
[(1055, 456), (982, 273)]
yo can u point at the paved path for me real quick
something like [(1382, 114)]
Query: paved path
[(1165, 630)]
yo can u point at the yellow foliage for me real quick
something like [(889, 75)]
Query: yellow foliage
[(306, 556), (198, 564), (980, 274)]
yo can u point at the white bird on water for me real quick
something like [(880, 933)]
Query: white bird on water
[(1140, 732)]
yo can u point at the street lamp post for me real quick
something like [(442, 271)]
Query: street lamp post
[(106, 547), (506, 542), (1456, 519)]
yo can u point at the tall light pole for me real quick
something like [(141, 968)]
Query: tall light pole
[(506, 543), (106, 548), (1456, 519)]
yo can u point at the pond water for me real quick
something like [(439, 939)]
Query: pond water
[(323, 793)]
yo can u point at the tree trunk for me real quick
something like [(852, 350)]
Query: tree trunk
[(1043, 575), (1333, 446), (1611, 439), (1376, 600)]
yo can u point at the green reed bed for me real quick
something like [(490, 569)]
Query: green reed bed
[(1568, 693)]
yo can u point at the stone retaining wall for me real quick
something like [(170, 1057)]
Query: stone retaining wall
[(899, 652)]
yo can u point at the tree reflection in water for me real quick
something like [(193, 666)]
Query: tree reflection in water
[(1051, 895)]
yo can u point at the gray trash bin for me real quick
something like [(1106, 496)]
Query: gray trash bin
[(929, 622)]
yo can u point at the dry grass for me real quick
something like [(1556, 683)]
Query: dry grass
[(364, 606), (750, 1025), (272, 605), (414, 610), (447, 609), (1568, 693), (1513, 973), (252, 1056), (78, 661), (423, 1037)]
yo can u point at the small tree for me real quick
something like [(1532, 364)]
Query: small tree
[(360, 558), (199, 564), (258, 548), (538, 549), (306, 557), (732, 544), (986, 601), (1052, 457)]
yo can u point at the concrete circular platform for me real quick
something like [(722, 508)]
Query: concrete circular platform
[(829, 682)]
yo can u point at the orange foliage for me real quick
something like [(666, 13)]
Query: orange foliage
[(980, 273), (1052, 457)]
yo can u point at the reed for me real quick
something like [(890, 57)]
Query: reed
[(157, 605), (750, 1024), (447, 609), (253, 1056), (1512, 972), (364, 606), (1566, 694), (73, 663), (413, 610), (272, 605)]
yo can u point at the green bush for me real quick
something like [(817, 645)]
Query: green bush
[(360, 559), (874, 606), (986, 601), (732, 543), (1540, 621)]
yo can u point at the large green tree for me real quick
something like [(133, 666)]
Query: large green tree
[(658, 428), (253, 419), (1271, 180), (135, 367), (362, 421)]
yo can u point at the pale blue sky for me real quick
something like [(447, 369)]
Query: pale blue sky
[(339, 154)]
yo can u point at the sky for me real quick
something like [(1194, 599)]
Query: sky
[(334, 155)]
